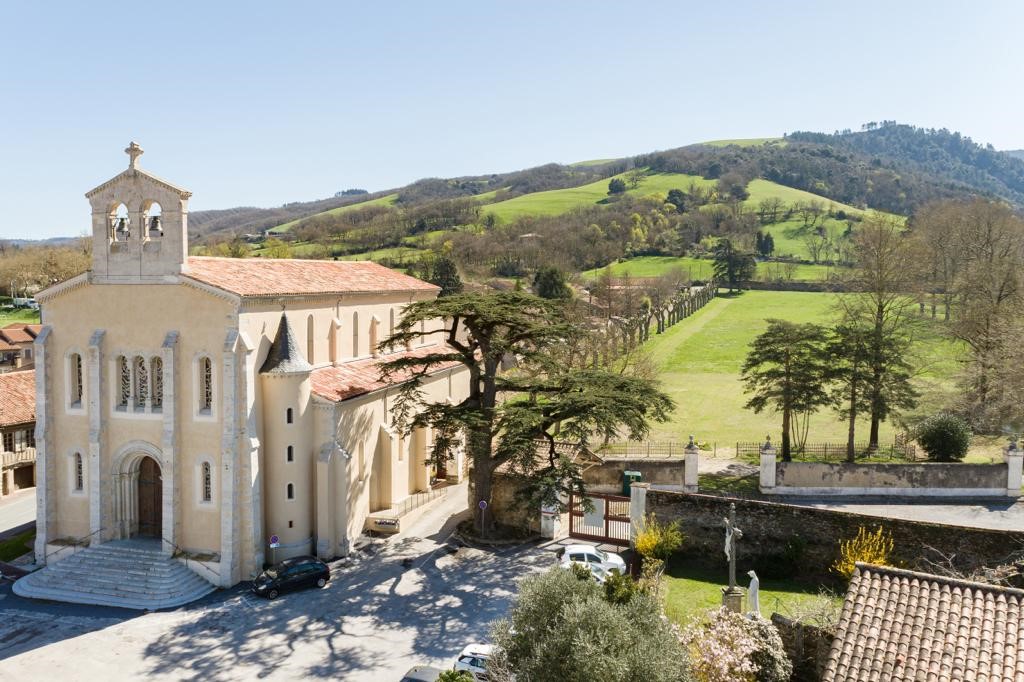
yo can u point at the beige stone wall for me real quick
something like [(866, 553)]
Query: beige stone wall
[(136, 320), (935, 477)]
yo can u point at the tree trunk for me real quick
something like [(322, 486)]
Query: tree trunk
[(785, 434), (851, 455)]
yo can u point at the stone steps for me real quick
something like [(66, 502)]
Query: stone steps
[(116, 574)]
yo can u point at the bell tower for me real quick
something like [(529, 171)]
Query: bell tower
[(139, 226)]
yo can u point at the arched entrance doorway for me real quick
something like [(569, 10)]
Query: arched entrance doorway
[(150, 497)]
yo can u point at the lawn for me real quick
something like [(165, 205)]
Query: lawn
[(760, 189), (19, 315), (702, 269), (387, 200), (14, 547), (691, 588), (699, 362), (746, 142)]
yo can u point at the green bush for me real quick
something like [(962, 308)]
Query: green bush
[(658, 540), (455, 676), (619, 589), (945, 437)]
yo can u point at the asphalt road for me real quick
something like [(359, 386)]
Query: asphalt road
[(17, 510), (378, 617)]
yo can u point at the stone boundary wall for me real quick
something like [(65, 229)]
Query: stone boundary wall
[(663, 473), (931, 479), (807, 646), (791, 285), (769, 527)]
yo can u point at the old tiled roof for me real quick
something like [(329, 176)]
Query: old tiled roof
[(19, 332), (284, 356), (17, 397), (903, 625), (359, 377), (281, 277)]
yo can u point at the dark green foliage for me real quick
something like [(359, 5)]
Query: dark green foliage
[(511, 418), (549, 282), (620, 589), (581, 571), (455, 676), (561, 628), (764, 244), (850, 350), (445, 274), (945, 437), (787, 370), (677, 198), (732, 266), (616, 186)]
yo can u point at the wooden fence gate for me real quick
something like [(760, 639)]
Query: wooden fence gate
[(607, 522)]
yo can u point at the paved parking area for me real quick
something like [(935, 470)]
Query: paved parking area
[(375, 619)]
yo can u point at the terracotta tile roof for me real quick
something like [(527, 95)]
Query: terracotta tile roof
[(276, 277), (17, 397), (6, 346), (17, 333), (902, 625), (360, 377)]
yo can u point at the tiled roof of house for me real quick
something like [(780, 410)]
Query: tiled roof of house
[(359, 377), (281, 277), (19, 332), (17, 397), (903, 625)]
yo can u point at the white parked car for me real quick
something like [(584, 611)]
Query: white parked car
[(473, 659), (592, 556)]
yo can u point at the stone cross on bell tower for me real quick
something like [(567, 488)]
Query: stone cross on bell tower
[(134, 151), (139, 227)]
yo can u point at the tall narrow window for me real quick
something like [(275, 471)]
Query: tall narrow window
[(355, 335), (288, 415), (124, 392), (205, 385), (157, 383), (374, 336), (423, 332), (362, 461), (391, 329), (76, 380), (141, 381), (291, 491), (8, 442), (20, 440), (79, 473), (291, 454), (207, 482), (309, 341)]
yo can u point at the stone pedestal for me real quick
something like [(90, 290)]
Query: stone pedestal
[(732, 599), (1015, 469), (766, 482), (690, 469)]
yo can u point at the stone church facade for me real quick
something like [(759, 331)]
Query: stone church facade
[(211, 403)]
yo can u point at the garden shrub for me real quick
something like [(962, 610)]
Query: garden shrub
[(945, 437), (729, 647), (868, 547), (658, 540)]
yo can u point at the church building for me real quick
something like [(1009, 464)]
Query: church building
[(207, 406)]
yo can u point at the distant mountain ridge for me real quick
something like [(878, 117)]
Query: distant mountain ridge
[(889, 166)]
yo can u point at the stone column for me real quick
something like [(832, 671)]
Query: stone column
[(637, 510), (322, 529), (690, 468), (168, 445), (767, 480), (1014, 465), (229, 463), (97, 480)]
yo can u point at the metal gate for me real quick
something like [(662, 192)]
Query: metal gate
[(607, 521)]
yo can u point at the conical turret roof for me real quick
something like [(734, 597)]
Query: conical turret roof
[(284, 356)]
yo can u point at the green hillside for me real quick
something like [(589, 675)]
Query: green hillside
[(702, 269), (745, 142), (387, 200)]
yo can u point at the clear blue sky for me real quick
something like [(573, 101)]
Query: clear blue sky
[(264, 103)]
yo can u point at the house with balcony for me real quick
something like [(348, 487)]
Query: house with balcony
[(17, 431)]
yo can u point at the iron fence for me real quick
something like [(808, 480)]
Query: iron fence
[(899, 450)]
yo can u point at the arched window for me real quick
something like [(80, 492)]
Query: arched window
[(355, 335), (309, 341), (152, 218), (75, 379), (391, 328), (157, 383), (141, 388), (206, 474), (124, 389), (374, 336), (288, 417), (423, 332), (79, 473), (205, 385), (290, 491), (362, 461), (120, 224), (291, 454)]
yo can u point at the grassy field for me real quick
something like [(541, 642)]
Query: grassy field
[(699, 362), (763, 189), (702, 269), (691, 589), (380, 201), (19, 315), (592, 162), (745, 142)]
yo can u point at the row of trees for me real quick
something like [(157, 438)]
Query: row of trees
[(25, 270)]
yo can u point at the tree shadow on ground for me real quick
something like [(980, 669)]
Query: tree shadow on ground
[(373, 610)]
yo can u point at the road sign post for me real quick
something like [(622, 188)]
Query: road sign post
[(483, 525), (275, 542)]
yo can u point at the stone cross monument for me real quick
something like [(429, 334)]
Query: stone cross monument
[(732, 596)]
